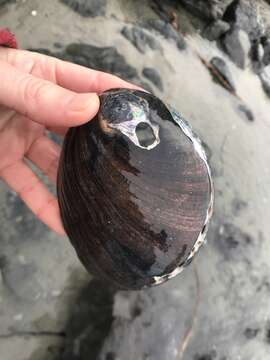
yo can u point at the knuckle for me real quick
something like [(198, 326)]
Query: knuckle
[(33, 89)]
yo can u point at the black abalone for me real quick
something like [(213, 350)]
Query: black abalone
[(135, 190)]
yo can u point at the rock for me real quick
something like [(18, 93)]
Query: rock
[(208, 9), (149, 324), (251, 333), (266, 48), (153, 75), (257, 55), (90, 321), (86, 8), (244, 14), (233, 242), (4, 2), (160, 8), (221, 67), (238, 206), (101, 58), (105, 59), (216, 29), (26, 224), (237, 45), (265, 79), (212, 355), (140, 39), (247, 112), (168, 31), (21, 280)]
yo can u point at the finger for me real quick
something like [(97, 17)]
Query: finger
[(34, 193), (43, 101), (82, 79), (65, 74), (45, 154)]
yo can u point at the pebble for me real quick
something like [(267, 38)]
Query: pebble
[(247, 112), (222, 68), (153, 75)]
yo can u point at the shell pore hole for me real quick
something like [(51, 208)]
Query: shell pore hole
[(145, 134)]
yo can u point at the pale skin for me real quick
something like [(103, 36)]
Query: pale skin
[(40, 93)]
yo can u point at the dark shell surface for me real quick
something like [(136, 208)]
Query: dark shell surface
[(135, 190)]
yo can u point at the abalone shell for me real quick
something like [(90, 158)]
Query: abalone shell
[(135, 190)]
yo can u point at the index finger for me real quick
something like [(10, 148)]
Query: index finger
[(68, 75)]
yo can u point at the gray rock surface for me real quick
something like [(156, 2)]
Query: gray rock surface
[(51, 309), (237, 45), (245, 15), (153, 75), (221, 67), (246, 112), (87, 8), (167, 31), (100, 58), (140, 38), (209, 9), (216, 29), (265, 79), (266, 52)]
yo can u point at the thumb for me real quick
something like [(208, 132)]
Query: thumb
[(43, 101)]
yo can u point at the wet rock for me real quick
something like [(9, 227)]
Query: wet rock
[(90, 321), (210, 356), (232, 241), (237, 45), (251, 333), (4, 2), (246, 112), (140, 39), (86, 8), (267, 337), (208, 9), (153, 75), (164, 12), (238, 206), (168, 31), (111, 356), (100, 58), (216, 29), (265, 79), (244, 14), (221, 67), (26, 224), (149, 324), (266, 48), (21, 280), (257, 55)]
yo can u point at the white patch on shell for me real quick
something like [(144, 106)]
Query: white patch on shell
[(128, 128), (188, 131)]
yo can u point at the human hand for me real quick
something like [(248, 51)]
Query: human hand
[(39, 93)]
